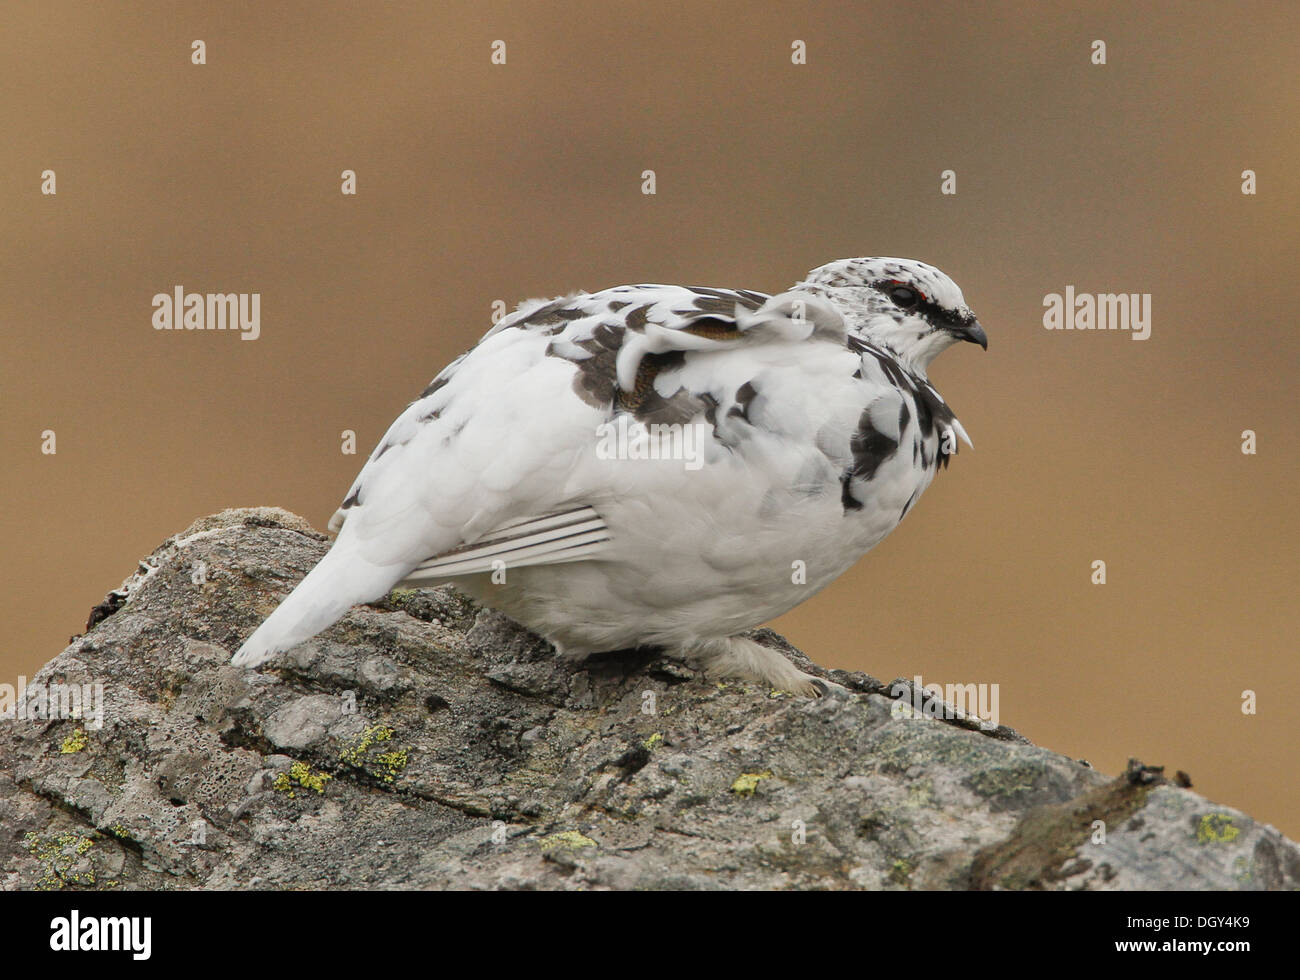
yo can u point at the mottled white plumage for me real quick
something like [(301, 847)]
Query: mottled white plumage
[(815, 430)]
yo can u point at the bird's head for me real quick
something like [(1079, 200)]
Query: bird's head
[(902, 305)]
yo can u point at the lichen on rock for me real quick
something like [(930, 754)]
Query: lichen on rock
[(424, 742)]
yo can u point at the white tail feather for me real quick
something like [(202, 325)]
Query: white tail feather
[(343, 578), (340, 581)]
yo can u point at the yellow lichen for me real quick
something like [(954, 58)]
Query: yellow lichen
[(747, 782), (392, 763), (653, 740), (1216, 828), (355, 754), (60, 855), (301, 775), (900, 871), (567, 838), (76, 742), (386, 766)]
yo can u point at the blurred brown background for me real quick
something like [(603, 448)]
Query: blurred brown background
[(480, 181)]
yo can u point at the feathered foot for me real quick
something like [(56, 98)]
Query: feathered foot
[(740, 658)]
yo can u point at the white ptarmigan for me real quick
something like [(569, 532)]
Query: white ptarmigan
[(793, 432)]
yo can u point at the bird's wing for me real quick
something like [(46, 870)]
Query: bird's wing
[(564, 536), (481, 468)]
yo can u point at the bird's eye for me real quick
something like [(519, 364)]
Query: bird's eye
[(904, 296)]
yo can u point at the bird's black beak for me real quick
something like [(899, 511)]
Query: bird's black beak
[(969, 329)]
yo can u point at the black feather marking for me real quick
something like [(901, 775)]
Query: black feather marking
[(595, 377), (710, 411), (435, 384), (638, 318), (544, 316), (898, 376), (557, 313), (870, 447), (745, 394), (743, 297), (849, 501), (908, 506), (932, 412), (646, 403), (752, 299), (712, 327), (716, 305), (895, 373)]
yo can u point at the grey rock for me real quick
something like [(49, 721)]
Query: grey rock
[(303, 722), (422, 742)]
